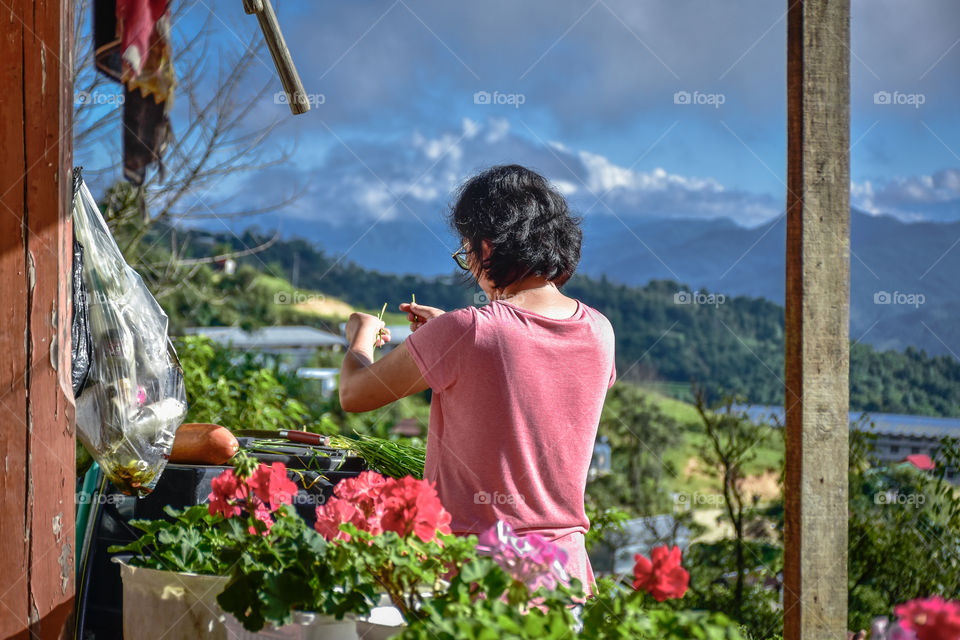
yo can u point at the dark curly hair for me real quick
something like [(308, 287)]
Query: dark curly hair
[(527, 222)]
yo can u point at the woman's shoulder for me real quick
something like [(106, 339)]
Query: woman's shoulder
[(594, 314)]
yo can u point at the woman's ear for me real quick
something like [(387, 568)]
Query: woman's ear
[(486, 249)]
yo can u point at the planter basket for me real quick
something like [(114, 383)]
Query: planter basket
[(183, 606), (177, 606)]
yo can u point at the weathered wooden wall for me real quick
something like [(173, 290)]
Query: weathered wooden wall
[(817, 318), (36, 401)]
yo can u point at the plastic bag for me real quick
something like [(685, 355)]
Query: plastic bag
[(133, 400)]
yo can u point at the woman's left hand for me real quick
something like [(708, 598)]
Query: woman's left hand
[(361, 325)]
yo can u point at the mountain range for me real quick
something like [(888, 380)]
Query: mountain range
[(904, 289)]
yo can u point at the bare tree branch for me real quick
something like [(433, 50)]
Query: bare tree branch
[(215, 136)]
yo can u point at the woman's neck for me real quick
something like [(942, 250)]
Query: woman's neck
[(540, 296), (534, 285)]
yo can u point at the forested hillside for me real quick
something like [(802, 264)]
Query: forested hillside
[(665, 333)]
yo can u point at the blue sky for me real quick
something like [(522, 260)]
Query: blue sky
[(594, 95)]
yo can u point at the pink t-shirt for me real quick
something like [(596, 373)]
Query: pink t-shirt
[(516, 403)]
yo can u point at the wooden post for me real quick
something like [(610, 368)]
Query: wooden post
[(817, 319), (289, 78), (36, 400)]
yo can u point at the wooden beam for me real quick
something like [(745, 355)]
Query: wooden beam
[(36, 400), (817, 318)]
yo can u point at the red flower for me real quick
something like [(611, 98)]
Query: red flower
[(412, 506), (331, 515), (931, 619), (263, 514), (357, 501), (661, 576), (272, 486), (259, 495), (364, 492), (227, 491), (376, 504)]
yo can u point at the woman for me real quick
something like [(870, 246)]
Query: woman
[(518, 384)]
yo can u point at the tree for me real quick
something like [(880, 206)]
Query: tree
[(214, 140), (732, 439)]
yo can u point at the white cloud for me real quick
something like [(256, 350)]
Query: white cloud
[(497, 129), (424, 171), (921, 197)]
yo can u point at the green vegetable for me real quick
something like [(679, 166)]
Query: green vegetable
[(380, 317), (391, 457)]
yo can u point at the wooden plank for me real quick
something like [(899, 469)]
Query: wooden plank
[(13, 329), (289, 78), (817, 319), (37, 410)]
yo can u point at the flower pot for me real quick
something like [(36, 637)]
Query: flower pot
[(172, 604), (305, 626), (383, 623)]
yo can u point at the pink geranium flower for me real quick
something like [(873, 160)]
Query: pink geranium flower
[(376, 504), (272, 486), (260, 495), (412, 506), (531, 559), (227, 492)]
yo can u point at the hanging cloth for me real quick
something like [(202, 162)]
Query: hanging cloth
[(132, 46)]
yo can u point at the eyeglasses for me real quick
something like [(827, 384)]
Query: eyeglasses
[(460, 257)]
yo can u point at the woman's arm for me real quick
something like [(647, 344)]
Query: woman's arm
[(366, 385)]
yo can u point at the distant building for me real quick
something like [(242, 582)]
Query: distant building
[(297, 343), (896, 435), (327, 377)]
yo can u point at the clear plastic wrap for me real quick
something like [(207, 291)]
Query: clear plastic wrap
[(133, 400)]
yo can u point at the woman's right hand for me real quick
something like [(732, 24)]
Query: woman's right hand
[(419, 314)]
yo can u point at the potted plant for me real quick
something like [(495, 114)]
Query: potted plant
[(178, 567), (378, 539)]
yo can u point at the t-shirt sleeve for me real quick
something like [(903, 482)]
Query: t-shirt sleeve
[(613, 376), (438, 347)]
